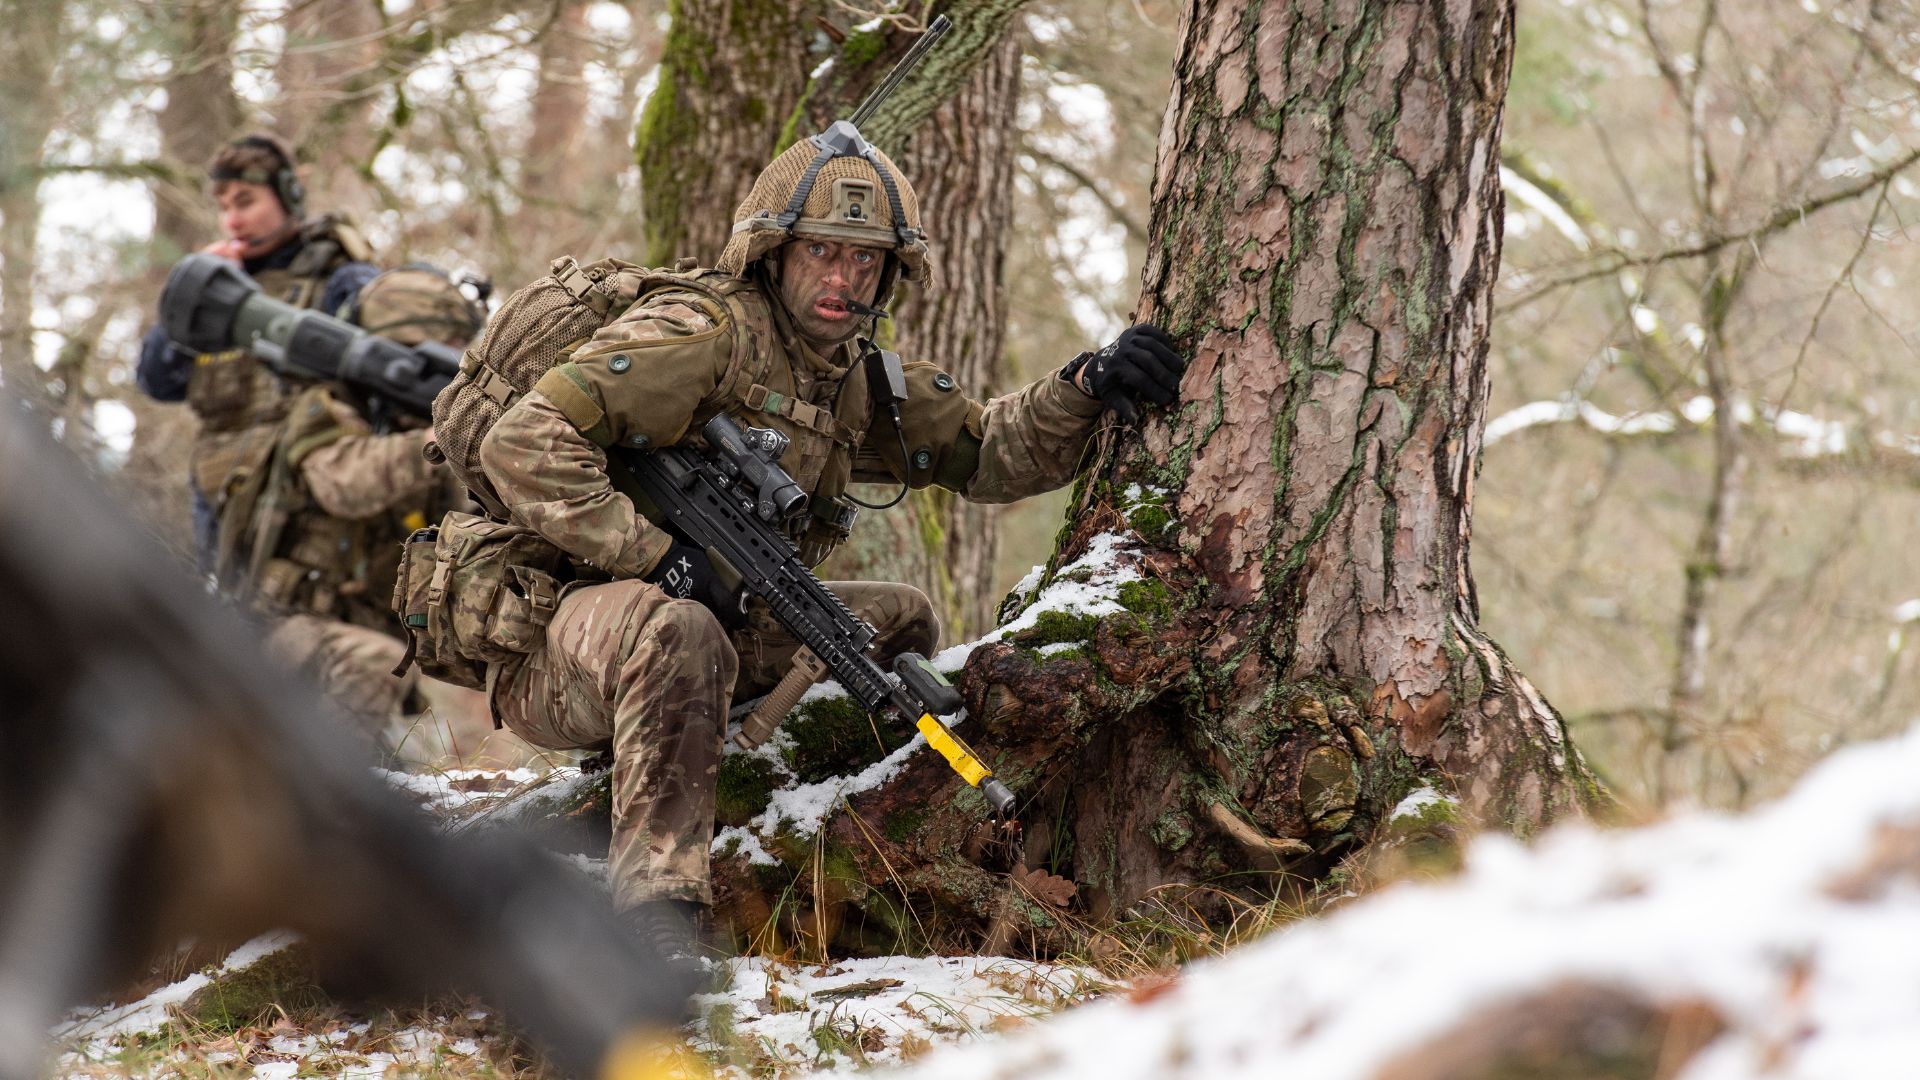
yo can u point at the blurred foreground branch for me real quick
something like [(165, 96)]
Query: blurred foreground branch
[(158, 780)]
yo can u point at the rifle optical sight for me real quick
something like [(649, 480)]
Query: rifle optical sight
[(753, 456)]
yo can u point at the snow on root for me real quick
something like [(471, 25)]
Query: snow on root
[(1087, 586), (1793, 929)]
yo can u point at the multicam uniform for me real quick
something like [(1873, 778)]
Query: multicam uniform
[(345, 499), (623, 661), (317, 524)]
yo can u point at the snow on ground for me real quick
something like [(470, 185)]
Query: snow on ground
[(1749, 915), (869, 1012), (99, 1027), (449, 790), (788, 1017)]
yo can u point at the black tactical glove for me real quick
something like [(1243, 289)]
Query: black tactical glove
[(685, 573), (1141, 364)]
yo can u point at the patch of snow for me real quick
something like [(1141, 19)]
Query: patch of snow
[(1738, 913), (453, 789), (1099, 573), (737, 840), (886, 1004), (145, 1016), (804, 806), (1416, 803)]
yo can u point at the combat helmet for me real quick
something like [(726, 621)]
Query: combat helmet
[(837, 186), (415, 304)]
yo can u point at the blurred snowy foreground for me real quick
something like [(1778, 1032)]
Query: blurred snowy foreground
[(1784, 943)]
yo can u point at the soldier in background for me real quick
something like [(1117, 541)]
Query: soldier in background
[(315, 263), (311, 534)]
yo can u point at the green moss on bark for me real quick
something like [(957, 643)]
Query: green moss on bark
[(743, 788), (830, 736)]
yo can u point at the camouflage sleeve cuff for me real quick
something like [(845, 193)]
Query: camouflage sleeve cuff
[(1032, 440)]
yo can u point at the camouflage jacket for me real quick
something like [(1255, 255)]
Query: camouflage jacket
[(317, 523), (677, 357)]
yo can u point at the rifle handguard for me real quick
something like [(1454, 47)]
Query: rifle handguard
[(759, 725)]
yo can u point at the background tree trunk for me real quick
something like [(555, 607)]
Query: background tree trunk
[(730, 73), (326, 75), (202, 112), (1300, 649), (705, 137), (28, 105), (552, 164)]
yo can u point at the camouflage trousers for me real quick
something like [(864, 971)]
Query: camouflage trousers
[(625, 665), (352, 664)]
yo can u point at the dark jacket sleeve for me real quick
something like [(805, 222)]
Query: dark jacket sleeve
[(163, 369), (344, 284)]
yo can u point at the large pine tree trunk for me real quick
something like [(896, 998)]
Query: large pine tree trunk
[(1300, 649)]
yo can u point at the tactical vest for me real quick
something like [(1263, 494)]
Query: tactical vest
[(234, 394), (824, 416), (768, 385), (282, 553)]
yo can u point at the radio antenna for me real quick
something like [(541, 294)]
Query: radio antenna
[(901, 70)]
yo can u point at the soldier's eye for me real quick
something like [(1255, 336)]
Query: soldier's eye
[(817, 250), (863, 257)]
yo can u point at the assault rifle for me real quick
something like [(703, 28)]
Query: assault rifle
[(211, 305), (731, 502)]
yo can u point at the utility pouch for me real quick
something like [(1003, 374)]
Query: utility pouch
[(221, 388), (495, 587), (415, 600)]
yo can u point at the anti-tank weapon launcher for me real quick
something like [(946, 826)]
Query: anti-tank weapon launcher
[(732, 501), (210, 305)]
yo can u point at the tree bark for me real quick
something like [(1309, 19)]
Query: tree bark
[(552, 172), (1301, 649), (730, 74), (202, 112), (27, 88)]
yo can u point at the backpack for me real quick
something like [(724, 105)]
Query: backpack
[(537, 328)]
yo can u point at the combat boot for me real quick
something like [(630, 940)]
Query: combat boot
[(673, 930)]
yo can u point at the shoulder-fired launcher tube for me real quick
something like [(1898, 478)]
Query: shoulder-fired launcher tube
[(211, 305)]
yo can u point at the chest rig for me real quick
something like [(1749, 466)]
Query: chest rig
[(824, 414)]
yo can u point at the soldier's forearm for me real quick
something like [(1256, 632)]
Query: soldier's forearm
[(1032, 440), (554, 480), (362, 475)]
